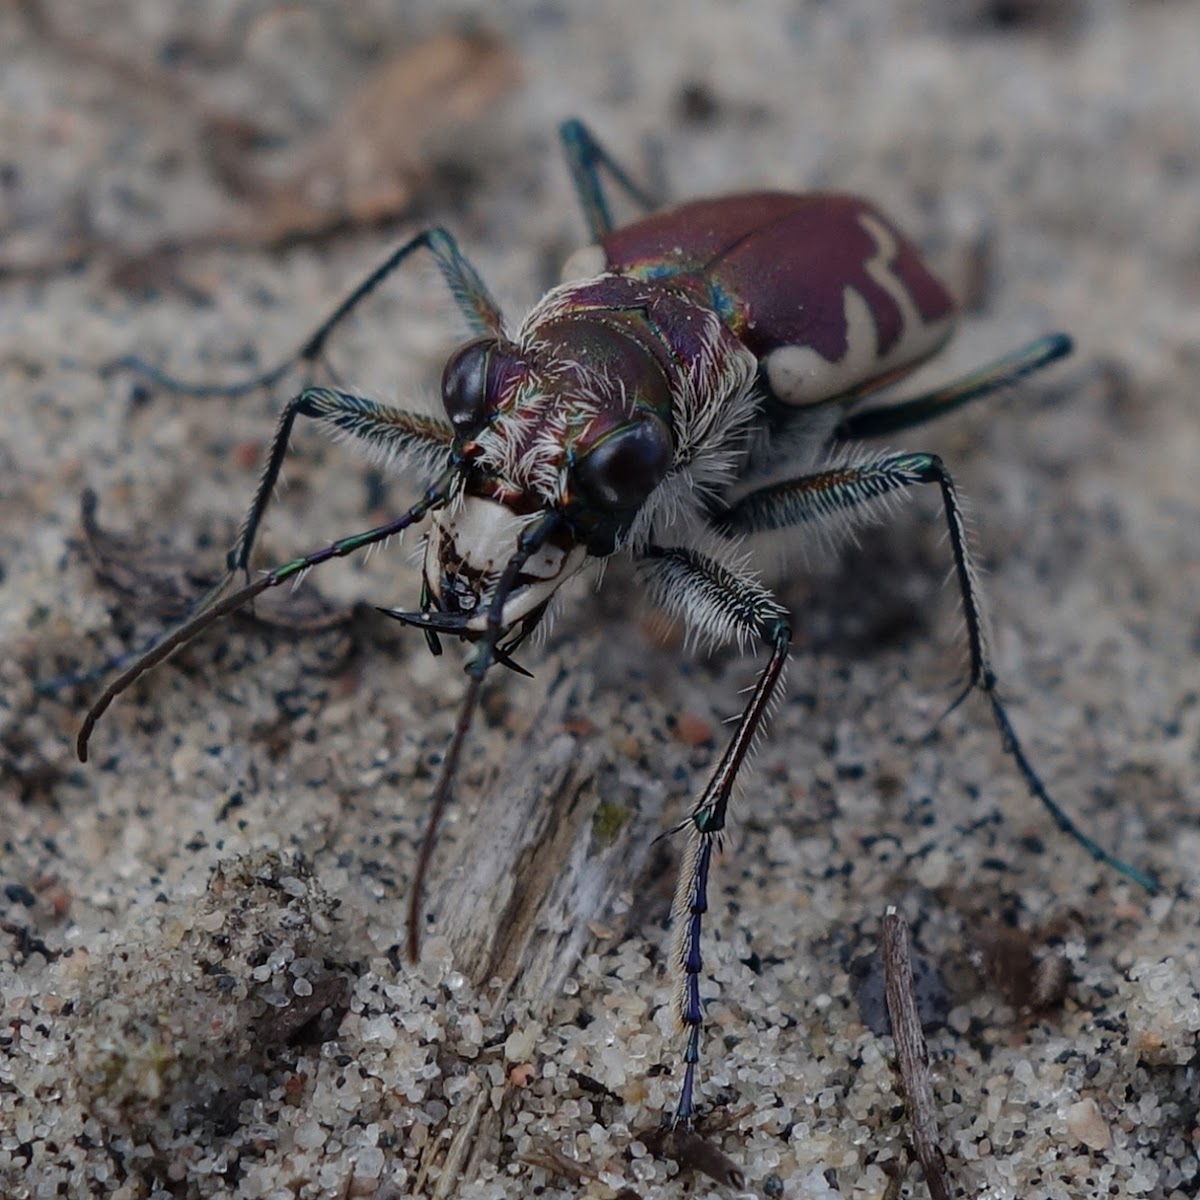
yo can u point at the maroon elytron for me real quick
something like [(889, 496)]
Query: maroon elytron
[(691, 385)]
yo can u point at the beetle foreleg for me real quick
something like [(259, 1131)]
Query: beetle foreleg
[(585, 157), (470, 294), (826, 493), (214, 607), (720, 603), (391, 433), (1005, 371)]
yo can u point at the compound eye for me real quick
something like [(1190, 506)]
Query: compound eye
[(624, 468), (465, 385)]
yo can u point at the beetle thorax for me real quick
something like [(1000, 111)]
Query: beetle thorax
[(596, 351)]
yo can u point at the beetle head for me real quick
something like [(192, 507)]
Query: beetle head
[(573, 425)]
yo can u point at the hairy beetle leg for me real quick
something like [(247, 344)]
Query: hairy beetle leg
[(468, 289), (421, 443), (725, 604), (824, 494)]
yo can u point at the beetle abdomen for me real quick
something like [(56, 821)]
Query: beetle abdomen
[(830, 296)]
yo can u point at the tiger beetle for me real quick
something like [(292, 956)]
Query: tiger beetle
[(695, 382)]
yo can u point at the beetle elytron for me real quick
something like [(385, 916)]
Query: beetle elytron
[(694, 383)]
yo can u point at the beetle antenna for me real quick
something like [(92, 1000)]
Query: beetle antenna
[(212, 608), (531, 540)]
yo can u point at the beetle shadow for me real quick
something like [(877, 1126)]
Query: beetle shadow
[(877, 594)]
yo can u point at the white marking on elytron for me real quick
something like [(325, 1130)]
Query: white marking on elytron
[(585, 263), (800, 376), (918, 338), (483, 535)]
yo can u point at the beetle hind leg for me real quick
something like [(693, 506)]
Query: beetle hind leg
[(887, 419), (823, 495)]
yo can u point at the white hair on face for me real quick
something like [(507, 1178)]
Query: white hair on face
[(716, 402)]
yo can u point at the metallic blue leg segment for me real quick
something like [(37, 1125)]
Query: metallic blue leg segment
[(691, 1013), (707, 821), (585, 157)]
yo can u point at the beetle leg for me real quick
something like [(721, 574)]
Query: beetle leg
[(825, 494), (585, 157), (420, 441), (214, 607), (423, 442), (720, 604), (1005, 371), (472, 297)]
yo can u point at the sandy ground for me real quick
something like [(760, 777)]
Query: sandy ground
[(203, 986)]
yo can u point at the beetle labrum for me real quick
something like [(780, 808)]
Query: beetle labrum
[(659, 404)]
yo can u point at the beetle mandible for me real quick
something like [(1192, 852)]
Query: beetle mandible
[(695, 382)]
